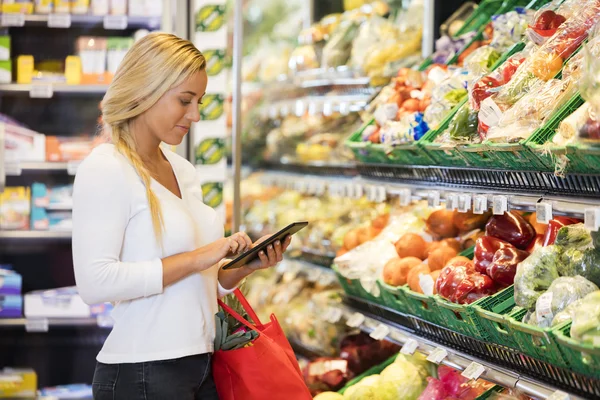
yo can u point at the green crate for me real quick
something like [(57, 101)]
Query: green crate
[(409, 154), (371, 371), (481, 16), (366, 152), (536, 342), (460, 318), (425, 64), (585, 158), (393, 297), (422, 306), (547, 155), (354, 288), (491, 313), (583, 358)]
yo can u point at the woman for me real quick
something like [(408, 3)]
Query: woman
[(143, 239)]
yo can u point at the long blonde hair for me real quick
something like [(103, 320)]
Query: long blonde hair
[(154, 65)]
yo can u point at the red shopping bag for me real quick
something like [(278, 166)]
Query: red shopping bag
[(266, 370)]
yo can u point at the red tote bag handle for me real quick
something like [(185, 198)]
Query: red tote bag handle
[(240, 296), (237, 316)]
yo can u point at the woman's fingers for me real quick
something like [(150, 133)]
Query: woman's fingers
[(278, 251)]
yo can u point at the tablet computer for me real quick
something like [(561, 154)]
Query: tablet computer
[(252, 254)]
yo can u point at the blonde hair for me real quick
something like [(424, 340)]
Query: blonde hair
[(154, 65)]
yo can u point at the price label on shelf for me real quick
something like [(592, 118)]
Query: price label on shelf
[(451, 201), (349, 189), (327, 108), (333, 315), (36, 324), (72, 167), (380, 332), (284, 111), (13, 19), (464, 203), (433, 199), (358, 191), (543, 212), (405, 197), (480, 205), (300, 108), (371, 193), (409, 347), (41, 91), (380, 194), (473, 371), (437, 355), (59, 21), (356, 320), (500, 205), (344, 108), (12, 169), (117, 22), (558, 395), (592, 218)]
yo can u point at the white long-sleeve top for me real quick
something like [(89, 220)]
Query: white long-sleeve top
[(117, 258)]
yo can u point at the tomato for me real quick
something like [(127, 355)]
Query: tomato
[(545, 19), (509, 69), (481, 88), (557, 21)]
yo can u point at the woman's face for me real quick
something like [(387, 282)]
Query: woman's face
[(169, 120)]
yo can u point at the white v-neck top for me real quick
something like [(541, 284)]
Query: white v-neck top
[(117, 258)]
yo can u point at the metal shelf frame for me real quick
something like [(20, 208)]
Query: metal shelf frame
[(61, 88), (83, 20)]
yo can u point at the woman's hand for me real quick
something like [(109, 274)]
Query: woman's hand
[(271, 257), (211, 254)]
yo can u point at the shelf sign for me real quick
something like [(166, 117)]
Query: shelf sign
[(473, 371), (558, 395), (12, 169), (356, 320), (433, 200), (380, 332), (117, 22), (464, 203), (405, 197), (500, 205), (437, 355), (543, 212), (480, 205), (13, 19), (451, 201), (59, 21), (36, 325), (41, 91), (592, 218), (409, 347)]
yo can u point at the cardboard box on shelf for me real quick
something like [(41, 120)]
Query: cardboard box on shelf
[(64, 149), (15, 208), (22, 144), (11, 283), (12, 6), (56, 303), (18, 383), (6, 71), (25, 68), (80, 6), (11, 306), (100, 7), (5, 48)]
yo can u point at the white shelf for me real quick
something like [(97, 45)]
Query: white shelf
[(56, 88), (91, 20), (43, 324), (35, 235)]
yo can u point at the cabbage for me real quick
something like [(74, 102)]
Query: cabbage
[(365, 389), (329, 396), (402, 380)]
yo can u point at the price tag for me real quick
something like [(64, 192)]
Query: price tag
[(104, 321), (327, 108), (451, 201), (41, 91), (36, 325), (380, 194), (72, 167), (437, 355), (344, 108), (13, 19), (558, 395), (333, 315), (409, 347), (349, 190), (592, 219), (313, 275), (464, 203), (358, 191), (480, 205), (543, 212), (433, 199), (543, 307), (300, 108), (500, 205), (284, 111), (380, 332), (371, 193), (427, 284), (118, 22), (12, 169), (473, 371), (356, 320), (59, 21), (405, 197)]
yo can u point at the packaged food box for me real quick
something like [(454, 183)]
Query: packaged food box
[(11, 306), (15, 208), (10, 282), (18, 383)]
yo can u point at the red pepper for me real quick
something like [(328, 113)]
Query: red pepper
[(503, 267), (481, 90), (510, 67), (553, 227), (512, 228), (460, 283), (485, 248), (535, 244)]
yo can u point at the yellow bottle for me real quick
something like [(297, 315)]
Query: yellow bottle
[(25, 67), (73, 70)]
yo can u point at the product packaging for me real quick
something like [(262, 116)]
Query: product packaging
[(22, 144), (18, 383), (100, 7), (15, 208), (11, 306), (64, 149), (25, 67), (10, 282), (4, 48), (118, 7), (17, 6), (92, 52), (62, 6), (80, 6)]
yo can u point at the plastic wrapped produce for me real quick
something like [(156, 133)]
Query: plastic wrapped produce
[(460, 283), (566, 314), (535, 275), (337, 50), (586, 320), (562, 292)]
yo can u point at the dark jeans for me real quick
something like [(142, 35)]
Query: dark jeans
[(188, 378)]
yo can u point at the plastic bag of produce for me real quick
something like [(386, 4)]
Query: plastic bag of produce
[(337, 50), (566, 314), (562, 292), (535, 275), (586, 320), (589, 131)]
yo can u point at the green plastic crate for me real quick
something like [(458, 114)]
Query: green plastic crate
[(354, 288), (536, 342), (409, 154), (583, 358), (460, 318), (366, 152), (481, 16), (491, 313), (393, 297), (547, 155), (583, 158), (422, 306)]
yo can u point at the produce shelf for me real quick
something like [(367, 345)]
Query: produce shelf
[(18, 88), (92, 20), (503, 366), (314, 168), (43, 324), (35, 235)]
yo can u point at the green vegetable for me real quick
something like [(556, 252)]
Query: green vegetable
[(217, 332), (519, 86), (581, 262), (464, 124), (535, 275), (573, 236), (566, 314), (596, 239), (586, 320), (455, 96)]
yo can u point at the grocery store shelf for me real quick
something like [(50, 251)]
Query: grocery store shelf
[(35, 235), (20, 168), (18, 88), (44, 324), (319, 168), (133, 22), (318, 105), (305, 351), (464, 351)]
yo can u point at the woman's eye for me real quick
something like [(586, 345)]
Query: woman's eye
[(185, 103)]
